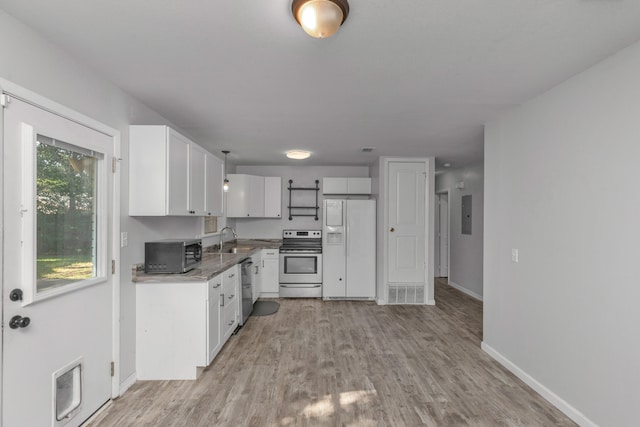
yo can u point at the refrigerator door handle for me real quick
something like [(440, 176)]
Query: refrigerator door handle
[(346, 238)]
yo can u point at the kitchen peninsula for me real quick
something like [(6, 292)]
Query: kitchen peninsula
[(183, 320)]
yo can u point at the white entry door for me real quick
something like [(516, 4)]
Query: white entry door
[(57, 303), (407, 259)]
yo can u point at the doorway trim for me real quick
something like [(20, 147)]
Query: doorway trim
[(439, 193), (10, 89)]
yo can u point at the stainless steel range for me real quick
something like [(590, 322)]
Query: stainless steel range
[(301, 264)]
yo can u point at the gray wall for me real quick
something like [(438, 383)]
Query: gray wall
[(32, 62), (465, 251), (303, 176), (561, 185)]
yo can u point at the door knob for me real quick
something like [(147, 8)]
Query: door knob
[(392, 229), (16, 295), (19, 322)]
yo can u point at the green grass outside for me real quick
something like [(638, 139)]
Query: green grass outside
[(72, 267)]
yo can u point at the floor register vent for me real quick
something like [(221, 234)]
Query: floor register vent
[(405, 294)]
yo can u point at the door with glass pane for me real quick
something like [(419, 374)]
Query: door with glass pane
[(57, 304)]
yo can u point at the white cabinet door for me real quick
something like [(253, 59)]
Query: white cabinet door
[(177, 174), (256, 196), (270, 272), (238, 196), (334, 185), (359, 185), (214, 342), (245, 197), (406, 233), (272, 197), (213, 185), (197, 178)]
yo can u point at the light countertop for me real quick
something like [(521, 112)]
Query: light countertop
[(213, 263)]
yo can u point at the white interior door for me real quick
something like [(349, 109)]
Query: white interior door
[(57, 303), (406, 257), (443, 207)]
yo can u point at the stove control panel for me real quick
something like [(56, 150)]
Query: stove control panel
[(302, 234)]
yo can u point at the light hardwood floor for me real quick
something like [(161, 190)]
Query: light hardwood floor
[(342, 363)]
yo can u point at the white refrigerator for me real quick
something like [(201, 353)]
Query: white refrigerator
[(349, 249)]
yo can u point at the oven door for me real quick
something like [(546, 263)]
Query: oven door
[(300, 267)]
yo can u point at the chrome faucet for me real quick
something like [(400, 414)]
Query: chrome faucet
[(221, 242)]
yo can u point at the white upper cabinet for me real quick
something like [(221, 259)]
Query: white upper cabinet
[(167, 173), (272, 197), (350, 185), (251, 196), (213, 185)]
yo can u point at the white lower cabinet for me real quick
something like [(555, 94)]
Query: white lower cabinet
[(182, 326), (270, 280)]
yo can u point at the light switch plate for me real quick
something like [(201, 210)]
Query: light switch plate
[(514, 255), (124, 239)]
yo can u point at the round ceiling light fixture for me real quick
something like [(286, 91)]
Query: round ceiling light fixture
[(320, 18), (298, 154)]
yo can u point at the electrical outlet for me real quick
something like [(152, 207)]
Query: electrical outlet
[(124, 239), (514, 255)]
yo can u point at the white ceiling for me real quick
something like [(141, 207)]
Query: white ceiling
[(409, 77)]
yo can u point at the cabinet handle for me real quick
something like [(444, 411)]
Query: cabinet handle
[(231, 297), (231, 275), (216, 286), (221, 300), (232, 322)]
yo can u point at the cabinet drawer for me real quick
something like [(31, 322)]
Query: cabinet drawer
[(230, 287), (270, 253), (229, 298), (229, 318)]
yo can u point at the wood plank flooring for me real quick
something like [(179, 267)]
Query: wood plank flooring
[(343, 363)]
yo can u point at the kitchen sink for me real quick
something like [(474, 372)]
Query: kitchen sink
[(238, 250)]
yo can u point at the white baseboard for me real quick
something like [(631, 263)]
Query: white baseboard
[(96, 414), (464, 290), (431, 302), (126, 384), (553, 398), (381, 302)]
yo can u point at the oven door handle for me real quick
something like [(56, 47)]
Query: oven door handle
[(299, 286)]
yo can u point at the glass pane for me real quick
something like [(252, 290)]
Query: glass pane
[(301, 265), (66, 213), (68, 392)]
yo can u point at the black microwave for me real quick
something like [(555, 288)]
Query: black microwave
[(172, 255)]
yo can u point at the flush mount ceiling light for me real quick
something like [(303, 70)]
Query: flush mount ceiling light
[(298, 154), (320, 18)]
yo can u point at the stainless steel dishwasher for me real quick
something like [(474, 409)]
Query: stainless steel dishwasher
[(246, 306)]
